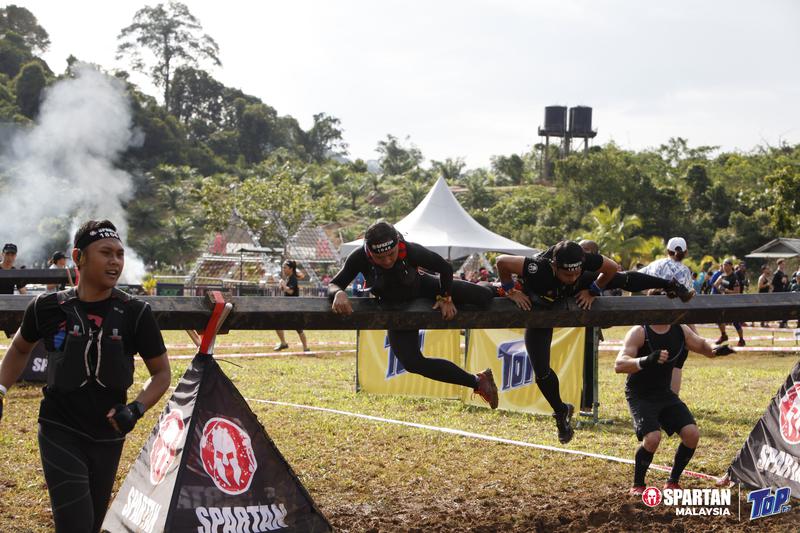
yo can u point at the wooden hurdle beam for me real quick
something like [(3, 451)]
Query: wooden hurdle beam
[(263, 313), (45, 276)]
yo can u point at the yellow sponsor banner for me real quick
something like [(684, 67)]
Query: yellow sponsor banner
[(503, 350), (380, 372)]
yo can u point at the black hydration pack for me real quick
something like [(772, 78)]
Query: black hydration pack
[(72, 368)]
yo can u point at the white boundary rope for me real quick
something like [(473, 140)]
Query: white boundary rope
[(480, 436)]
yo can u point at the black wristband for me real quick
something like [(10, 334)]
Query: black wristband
[(649, 360)]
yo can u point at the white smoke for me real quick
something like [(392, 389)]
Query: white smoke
[(60, 172)]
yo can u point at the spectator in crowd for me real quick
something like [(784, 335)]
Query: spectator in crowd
[(697, 281), (671, 267), (741, 273), (9, 258), (59, 260), (290, 287), (765, 283), (727, 282), (780, 283)]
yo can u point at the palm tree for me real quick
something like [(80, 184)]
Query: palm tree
[(612, 231)]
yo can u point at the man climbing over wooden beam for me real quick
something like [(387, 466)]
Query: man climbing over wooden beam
[(390, 267), (566, 270)]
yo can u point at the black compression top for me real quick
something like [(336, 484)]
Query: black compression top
[(84, 411), (402, 281), (657, 379), (538, 276)]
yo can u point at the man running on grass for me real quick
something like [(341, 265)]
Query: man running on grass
[(648, 356)]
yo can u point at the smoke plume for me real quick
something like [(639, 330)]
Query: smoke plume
[(61, 171)]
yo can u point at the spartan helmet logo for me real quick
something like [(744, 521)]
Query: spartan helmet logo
[(227, 456), (162, 455), (790, 415)]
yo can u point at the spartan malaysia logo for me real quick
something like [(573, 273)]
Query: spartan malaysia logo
[(517, 368), (395, 367), (162, 455), (765, 503), (690, 502), (790, 415), (651, 496), (227, 456)]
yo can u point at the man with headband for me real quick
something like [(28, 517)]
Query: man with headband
[(390, 267), (564, 270), (649, 356), (91, 333)]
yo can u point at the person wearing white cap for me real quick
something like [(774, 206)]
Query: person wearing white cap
[(671, 266)]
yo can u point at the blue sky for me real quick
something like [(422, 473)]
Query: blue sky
[(471, 78)]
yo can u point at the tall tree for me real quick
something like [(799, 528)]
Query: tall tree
[(325, 138), (397, 159), (173, 35), (29, 84), (511, 167), (22, 22)]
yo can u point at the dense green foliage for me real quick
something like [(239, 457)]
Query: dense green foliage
[(210, 150)]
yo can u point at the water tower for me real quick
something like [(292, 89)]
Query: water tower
[(556, 125)]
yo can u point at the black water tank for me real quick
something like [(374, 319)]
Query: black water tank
[(555, 119), (580, 120)]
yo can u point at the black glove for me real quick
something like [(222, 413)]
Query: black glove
[(722, 349), (649, 360), (126, 416)]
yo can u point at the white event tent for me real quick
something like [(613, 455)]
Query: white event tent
[(440, 224)]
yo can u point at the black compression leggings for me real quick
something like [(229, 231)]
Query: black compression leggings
[(405, 343), (537, 343), (636, 282), (80, 475)]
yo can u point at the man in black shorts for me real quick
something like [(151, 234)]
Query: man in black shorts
[(648, 356), (91, 333), (390, 267), (9, 257), (566, 270)]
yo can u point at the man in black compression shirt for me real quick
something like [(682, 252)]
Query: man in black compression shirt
[(561, 271), (9, 257), (648, 356), (390, 267), (91, 333)]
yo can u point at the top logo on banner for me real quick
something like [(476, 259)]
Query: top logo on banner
[(790, 415), (227, 455)]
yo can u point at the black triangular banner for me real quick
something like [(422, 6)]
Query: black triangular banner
[(209, 466), (771, 455)]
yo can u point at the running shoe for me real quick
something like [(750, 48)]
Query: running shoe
[(722, 338), (563, 422), (671, 484), (486, 388), (676, 289), (740, 343), (280, 346), (637, 490)]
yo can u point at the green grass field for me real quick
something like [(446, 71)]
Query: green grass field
[(371, 476)]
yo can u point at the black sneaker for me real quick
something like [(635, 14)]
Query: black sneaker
[(678, 290), (280, 346), (563, 422)]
